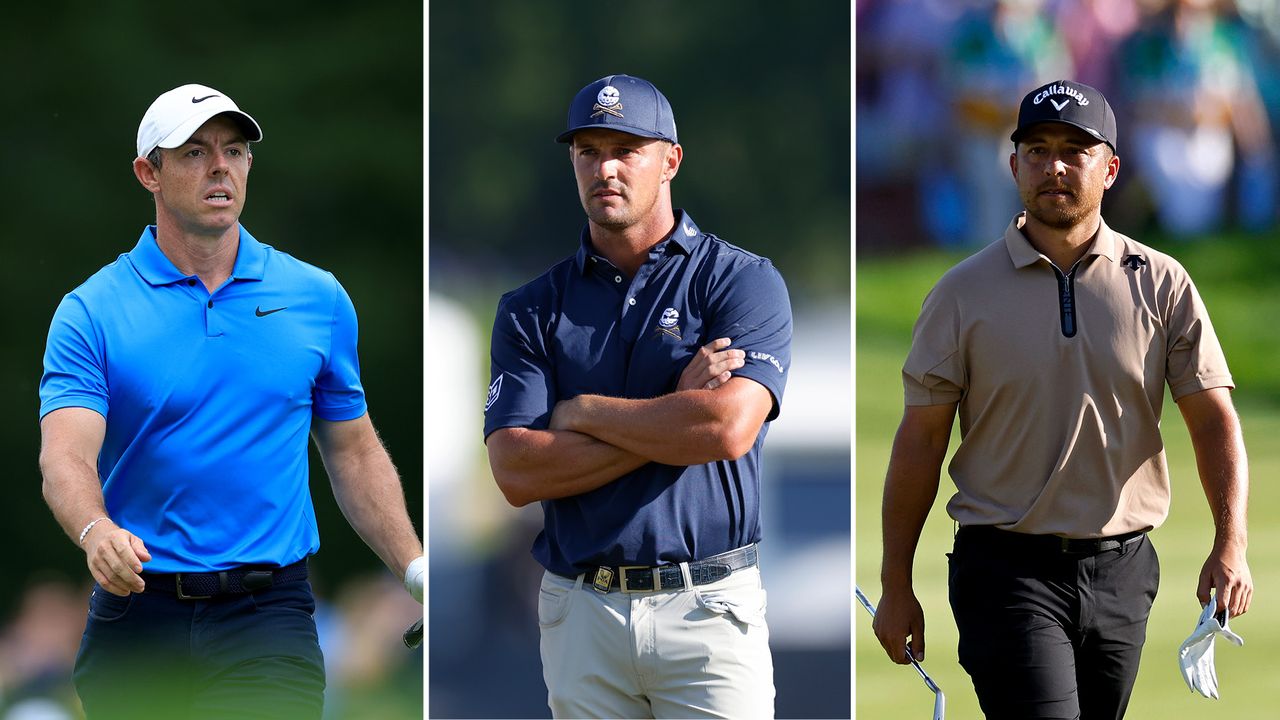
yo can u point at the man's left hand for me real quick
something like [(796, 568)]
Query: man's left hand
[(711, 366), (1227, 572)]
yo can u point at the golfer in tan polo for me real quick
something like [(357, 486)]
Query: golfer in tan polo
[(1055, 344)]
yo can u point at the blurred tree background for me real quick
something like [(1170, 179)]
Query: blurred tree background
[(337, 182), (761, 97)]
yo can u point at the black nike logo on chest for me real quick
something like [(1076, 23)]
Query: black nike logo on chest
[(263, 313)]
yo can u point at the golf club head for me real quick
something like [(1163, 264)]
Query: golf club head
[(413, 636)]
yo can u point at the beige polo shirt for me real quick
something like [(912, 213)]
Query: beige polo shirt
[(1060, 381)]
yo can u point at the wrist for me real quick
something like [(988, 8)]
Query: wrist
[(571, 414), (89, 527)]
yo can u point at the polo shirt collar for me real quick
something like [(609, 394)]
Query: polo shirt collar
[(1023, 253), (157, 269), (685, 237)]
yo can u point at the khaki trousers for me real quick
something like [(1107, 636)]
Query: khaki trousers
[(696, 653)]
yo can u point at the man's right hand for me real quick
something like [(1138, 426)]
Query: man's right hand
[(712, 366), (115, 558), (898, 616)]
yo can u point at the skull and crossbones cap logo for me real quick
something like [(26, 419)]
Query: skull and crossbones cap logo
[(624, 103)]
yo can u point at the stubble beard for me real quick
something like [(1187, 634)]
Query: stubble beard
[(1062, 217)]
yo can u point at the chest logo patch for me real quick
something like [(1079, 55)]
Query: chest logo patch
[(495, 388), (669, 323), (1133, 262)]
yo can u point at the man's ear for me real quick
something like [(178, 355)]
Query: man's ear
[(147, 174), (675, 154), (1113, 171)]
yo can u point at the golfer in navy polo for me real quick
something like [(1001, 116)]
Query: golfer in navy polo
[(181, 383), (632, 388)]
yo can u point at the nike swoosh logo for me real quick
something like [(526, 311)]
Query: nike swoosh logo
[(206, 97), (263, 313), (1058, 107)]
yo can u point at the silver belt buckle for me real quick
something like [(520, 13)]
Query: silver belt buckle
[(184, 596), (625, 586)]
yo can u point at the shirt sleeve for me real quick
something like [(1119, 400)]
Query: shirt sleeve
[(934, 373), (521, 382), (338, 394), (754, 312), (74, 364), (1195, 360)]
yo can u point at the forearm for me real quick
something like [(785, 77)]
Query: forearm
[(535, 465), (911, 485), (1224, 474), (690, 427), (72, 491), (367, 488)]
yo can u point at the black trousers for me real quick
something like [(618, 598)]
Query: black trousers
[(245, 657), (1049, 634)]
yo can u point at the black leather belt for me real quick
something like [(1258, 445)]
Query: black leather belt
[(1049, 543), (242, 580), (647, 578)]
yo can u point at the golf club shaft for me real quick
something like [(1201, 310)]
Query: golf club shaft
[(939, 700)]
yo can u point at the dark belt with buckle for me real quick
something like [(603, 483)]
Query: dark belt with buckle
[(1049, 543), (647, 578), (239, 581)]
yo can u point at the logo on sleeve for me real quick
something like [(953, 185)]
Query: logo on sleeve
[(1133, 262), (767, 358), (669, 323), (495, 388)]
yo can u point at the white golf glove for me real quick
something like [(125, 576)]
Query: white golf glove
[(413, 577), (1195, 657)]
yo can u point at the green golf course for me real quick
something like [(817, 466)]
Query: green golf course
[(1236, 279)]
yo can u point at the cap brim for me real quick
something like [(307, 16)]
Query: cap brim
[(1021, 132), (567, 135), (183, 133)]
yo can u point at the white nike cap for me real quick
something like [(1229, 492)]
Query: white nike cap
[(177, 114)]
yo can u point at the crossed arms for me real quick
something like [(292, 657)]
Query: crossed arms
[(593, 440)]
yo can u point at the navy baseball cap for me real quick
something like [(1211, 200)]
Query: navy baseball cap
[(623, 103), (1069, 102)]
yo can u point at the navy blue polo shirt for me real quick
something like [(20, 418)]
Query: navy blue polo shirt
[(208, 398), (583, 328)]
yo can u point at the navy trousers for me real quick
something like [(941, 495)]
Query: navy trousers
[(152, 655), (1047, 634)]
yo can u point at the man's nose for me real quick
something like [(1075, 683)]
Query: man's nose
[(607, 168), (218, 163)]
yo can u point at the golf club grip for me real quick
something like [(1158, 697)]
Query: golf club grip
[(413, 636)]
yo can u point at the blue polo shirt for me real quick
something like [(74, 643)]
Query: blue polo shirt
[(583, 328), (208, 398)]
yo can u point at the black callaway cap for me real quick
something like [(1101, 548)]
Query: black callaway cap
[(1069, 102)]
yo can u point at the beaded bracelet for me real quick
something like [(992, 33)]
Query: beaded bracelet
[(89, 527)]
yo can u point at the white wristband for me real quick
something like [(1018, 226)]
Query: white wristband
[(87, 528)]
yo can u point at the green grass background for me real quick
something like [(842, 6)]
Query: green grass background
[(1236, 277)]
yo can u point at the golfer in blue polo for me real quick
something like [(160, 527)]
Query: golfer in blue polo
[(181, 383)]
